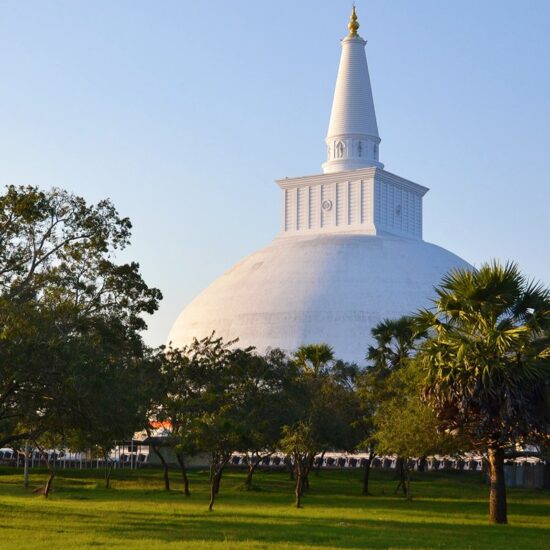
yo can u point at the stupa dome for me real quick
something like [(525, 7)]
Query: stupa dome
[(350, 251), (319, 288)]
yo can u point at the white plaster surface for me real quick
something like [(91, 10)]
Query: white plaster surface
[(352, 137), (369, 201), (321, 288)]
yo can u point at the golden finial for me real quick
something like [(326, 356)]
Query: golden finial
[(353, 25)]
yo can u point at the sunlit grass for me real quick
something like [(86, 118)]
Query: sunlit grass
[(447, 511)]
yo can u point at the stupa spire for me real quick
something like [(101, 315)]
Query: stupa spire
[(353, 25), (352, 138)]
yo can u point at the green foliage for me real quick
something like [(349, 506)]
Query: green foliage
[(396, 340), (298, 439), (71, 355), (219, 400), (324, 408), (205, 403), (314, 359), (488, 356), (382, 388), (405, 425), (327, 400)]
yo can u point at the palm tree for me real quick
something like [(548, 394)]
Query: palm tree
[(487, 362), (315, 359), (395, 342)]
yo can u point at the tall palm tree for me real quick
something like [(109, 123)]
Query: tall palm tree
[(487, 362)]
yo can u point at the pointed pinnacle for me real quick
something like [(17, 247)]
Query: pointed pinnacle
[(353, 25)]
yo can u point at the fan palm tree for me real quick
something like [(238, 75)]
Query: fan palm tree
[(314, 359), (488, 361), (395, 342)]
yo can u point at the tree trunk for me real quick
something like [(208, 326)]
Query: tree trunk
[(214, 488), (249, 474), (166, 476), (51, 469), (484, 468), (497, 496), (251, 469), (26, 466), (49, 483), (366, 475), (164, 466), (307, 465), (215, 484), (546, 480), (399, 468), (298, 490), (108, 471), (181, 462), (400, 471)]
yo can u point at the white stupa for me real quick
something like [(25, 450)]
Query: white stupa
[(350, 251)]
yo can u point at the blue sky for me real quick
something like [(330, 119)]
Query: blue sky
[(183, 113)]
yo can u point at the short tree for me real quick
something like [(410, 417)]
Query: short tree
[(325, 407), (298, 443), (266, 390), (380, 386), (405, 426), (211, 412)]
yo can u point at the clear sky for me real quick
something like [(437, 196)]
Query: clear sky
[(184, 112)]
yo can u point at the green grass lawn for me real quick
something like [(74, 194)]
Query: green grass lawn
[(447, 511)]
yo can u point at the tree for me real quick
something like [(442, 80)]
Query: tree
[(169, 398), (267, 394), (210, 410), (314, 359), (368, 401), (406, 426), (299, 444), (70, 315), (396, 342), (218, 400), (324, 410), (487, 364)]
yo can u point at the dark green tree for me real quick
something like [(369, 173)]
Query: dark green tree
[(70, 317), (324, 412), (211, 412), (266, 386)]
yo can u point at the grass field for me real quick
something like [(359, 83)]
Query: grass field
[(447, 511)]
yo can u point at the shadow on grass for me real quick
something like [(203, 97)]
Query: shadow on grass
[(447, 512), (297, 529)]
